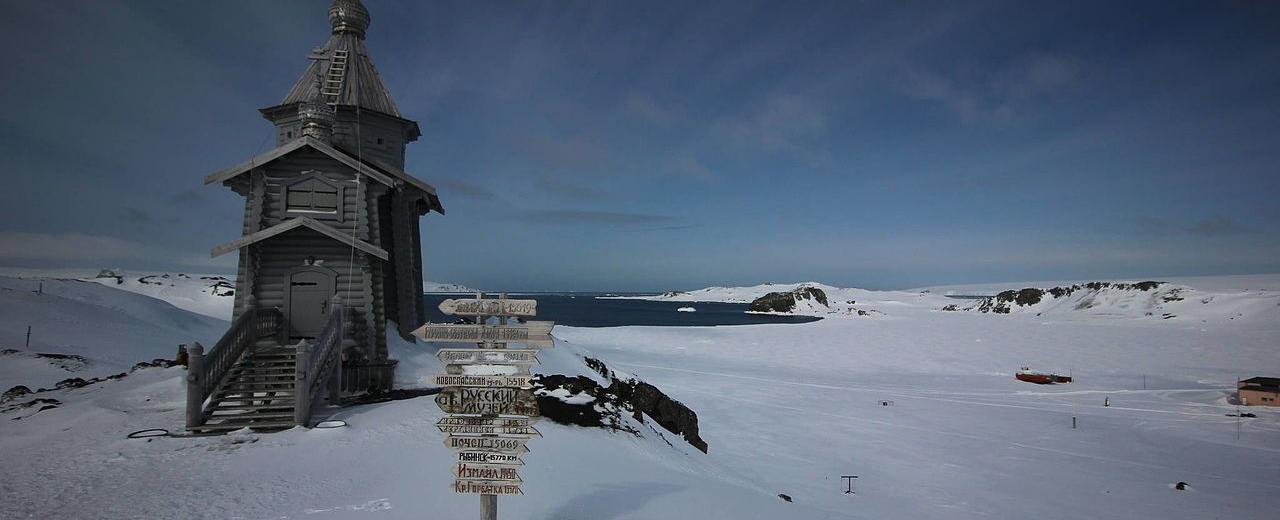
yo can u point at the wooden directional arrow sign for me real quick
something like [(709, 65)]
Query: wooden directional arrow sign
[(487, 425), (489, 457), (484, 487), (511, 381), (488, 370), (487, 401), (533, 332), (469, 471), (491, 307), (486, 355), (511, 445)]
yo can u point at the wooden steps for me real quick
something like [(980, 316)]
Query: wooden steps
[(256, 393)]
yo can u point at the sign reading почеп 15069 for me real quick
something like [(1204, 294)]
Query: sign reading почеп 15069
[(501, 307)]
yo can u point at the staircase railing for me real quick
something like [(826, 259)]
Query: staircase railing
[(319, 362), (205, 371)]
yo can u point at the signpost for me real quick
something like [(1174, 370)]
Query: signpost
[(487, 401), (478, 307), (537, 332), (484, 355), (513, 381), (487, 392), (486, 488), (489, 457), (484, 443), (521, 369), (469, 471)]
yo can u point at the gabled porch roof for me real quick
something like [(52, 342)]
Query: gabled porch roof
[(293, 223), (383, 173)]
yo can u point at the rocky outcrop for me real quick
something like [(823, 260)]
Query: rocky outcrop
[(1005, 301), (581, 401), (786, 301)]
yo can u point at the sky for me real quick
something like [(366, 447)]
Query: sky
[(639, 146)]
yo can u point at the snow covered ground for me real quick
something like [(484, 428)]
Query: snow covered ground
[(920, 404), (111, 329), (208, 294)]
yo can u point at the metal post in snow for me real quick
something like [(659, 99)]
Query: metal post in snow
[(195, 385), (28, 337)]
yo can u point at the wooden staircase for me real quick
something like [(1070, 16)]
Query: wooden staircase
[(257, 393), (249, 380)]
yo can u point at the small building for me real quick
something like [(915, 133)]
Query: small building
[(1259, 391), (329, 254)]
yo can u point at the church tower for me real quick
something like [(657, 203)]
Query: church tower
[(330, 242)]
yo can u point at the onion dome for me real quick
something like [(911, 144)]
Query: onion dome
[(349, 16)]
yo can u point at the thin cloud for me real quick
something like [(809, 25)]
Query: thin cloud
[(647, 108), (561, 187), (21, 245), (605, 218), (136, 216), (466, 189), (1217, 227), (87, 250), (784, 123)]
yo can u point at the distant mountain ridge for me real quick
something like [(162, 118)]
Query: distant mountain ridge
[(1213, 298)]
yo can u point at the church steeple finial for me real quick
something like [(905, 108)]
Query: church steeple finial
[(349, 16)]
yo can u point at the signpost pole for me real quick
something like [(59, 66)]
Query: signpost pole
[(489, 503), (488, 507)]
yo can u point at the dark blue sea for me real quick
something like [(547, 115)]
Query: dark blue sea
[(585, 310)]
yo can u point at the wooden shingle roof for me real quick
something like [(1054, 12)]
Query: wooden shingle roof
[(361, 87)]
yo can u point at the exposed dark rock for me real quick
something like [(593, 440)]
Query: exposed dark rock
[(398, 394), (605, 406), (1181, 486), (43, 404), (672, 294), (14, 393), (155, 363), (951, 307), (786, 301), (1002, 303), (71, 382), (598, 366), (784, 496)]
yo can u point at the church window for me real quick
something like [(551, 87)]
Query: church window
[(312, 194)]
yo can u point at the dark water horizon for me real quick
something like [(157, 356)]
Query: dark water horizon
[(574, 309)]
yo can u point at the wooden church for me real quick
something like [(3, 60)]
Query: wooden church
[(329, 252)]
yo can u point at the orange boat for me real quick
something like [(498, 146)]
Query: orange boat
[(1040, 378)]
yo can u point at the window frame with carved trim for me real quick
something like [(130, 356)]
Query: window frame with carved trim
[(312, 177)]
